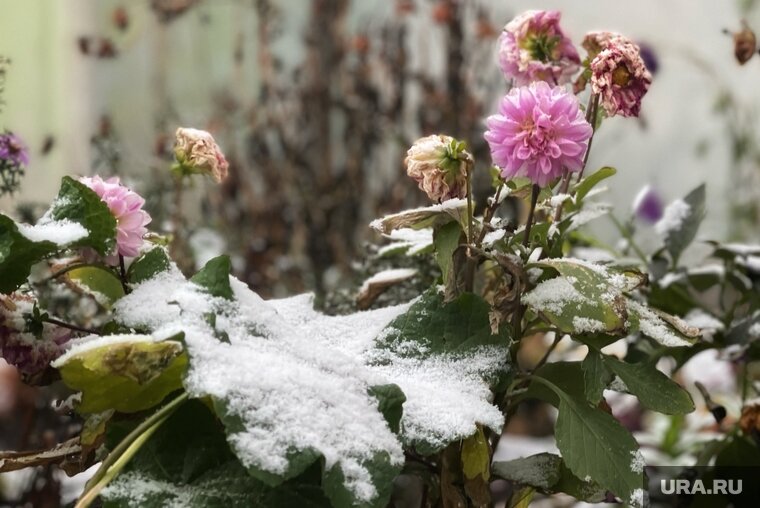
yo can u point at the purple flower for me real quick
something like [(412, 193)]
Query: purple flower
[(650, 58), (29, 353), (539, 132), (13, 150), (533, 47), (618, 73), (647, 205), (126, 206)]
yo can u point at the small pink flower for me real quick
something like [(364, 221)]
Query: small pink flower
[(539, 132), (618, 72), (439, 165), (126, 206), (197, 152), (533, 47)]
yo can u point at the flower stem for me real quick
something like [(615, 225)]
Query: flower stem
[(489, 213), (531, 212), (125, 450), (76, 328), (123, 275), (470, 218)]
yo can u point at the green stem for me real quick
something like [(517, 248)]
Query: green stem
[(627, 235), (529, 223), (128, 446)]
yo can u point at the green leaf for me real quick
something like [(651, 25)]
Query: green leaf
[(476, 456), (594, 444), (99, 281), (678, 238), (390, 400), (383, 474), (439, 327), (583, 299), (655, 390), (148, 265), (78, 203), (188, 462), (446, 241), (129, 374), (583, 187), (568, 375), (596, 376), (18, 254), (215, 277), (549, 474)]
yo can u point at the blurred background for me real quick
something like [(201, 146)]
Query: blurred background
[(315, 103)]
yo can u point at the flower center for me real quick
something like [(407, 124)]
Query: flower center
[(621, 76), (542, 46)]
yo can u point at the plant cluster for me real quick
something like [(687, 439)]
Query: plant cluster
[(194, 391)]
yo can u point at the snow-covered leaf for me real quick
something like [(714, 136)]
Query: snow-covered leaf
[(584, 298), (293, 386), (187, 463), (681, 220), (667, 330), (418, 218)]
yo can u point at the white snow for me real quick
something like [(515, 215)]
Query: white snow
[(654, 326), (637, 462), (90, 342), (702, 320), (387, 277), (298, 379), (587, 325), (554, 295), (413, 240), (673, 216), (493, 236), (61, 232), (588, 214)]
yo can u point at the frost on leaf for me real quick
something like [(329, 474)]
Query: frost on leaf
[(293, 385), (418, 218)]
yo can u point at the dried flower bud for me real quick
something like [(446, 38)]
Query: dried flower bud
[(745, 44), (197, 153), (439, 164), (749, 421)]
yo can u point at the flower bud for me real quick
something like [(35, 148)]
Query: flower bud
[(439, 164), (647, 205), (197, 153)]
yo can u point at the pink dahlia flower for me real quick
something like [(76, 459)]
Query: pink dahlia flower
[(539, 132), (618, 72), (439, 164), (126, 206), (533, 47)]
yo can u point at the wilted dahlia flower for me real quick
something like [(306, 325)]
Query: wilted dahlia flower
[(29, 350), (533, 47), (126, 206), (618, 73), (439, 165), (539, 132), (198, 153)]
